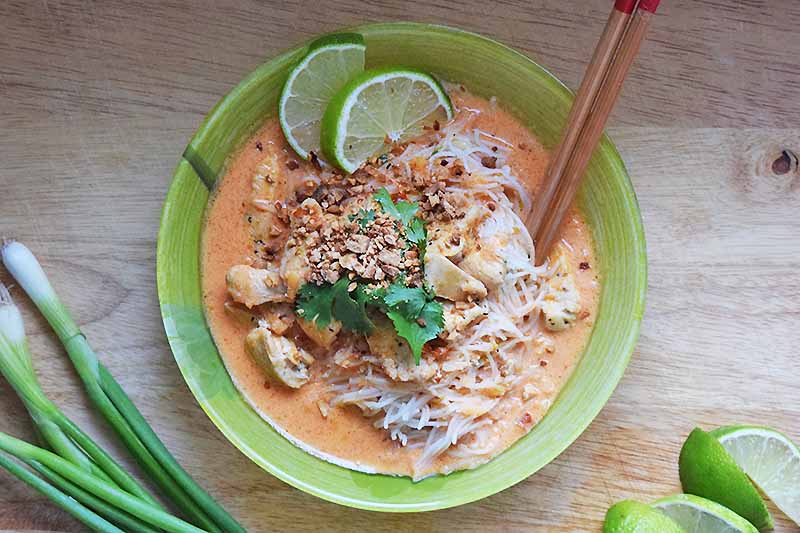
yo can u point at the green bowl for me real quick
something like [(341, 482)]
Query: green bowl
[(541, 102)]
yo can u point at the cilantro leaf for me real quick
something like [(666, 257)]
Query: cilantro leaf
[(403, 211), (420, 330), (372, 297), (407, 210), (417, 234), (407, 300), (323, 303), (416, 316), (365, 217), (314, 303), (351, 313)]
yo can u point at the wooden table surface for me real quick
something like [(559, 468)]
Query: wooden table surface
[(98, 99)]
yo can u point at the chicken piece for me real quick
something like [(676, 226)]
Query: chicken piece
[(449, 281), (309, 215), (294, 270), (457, 320), (279, 318), (384, 342), (239, 313), (445, 239), (269, 184), (322, 337), (500, 234), (254, 286), (394, 354), (280, 358), (485, 265), (561, 301)]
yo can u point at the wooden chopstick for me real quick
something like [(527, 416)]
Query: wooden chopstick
[(584, 99), (593, 128)]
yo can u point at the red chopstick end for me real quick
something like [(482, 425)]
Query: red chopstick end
[(649, 5), (626, 6)]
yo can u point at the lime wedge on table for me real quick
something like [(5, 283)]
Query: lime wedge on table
[(331, 62), (708, 470), (699, 515), (380, 105), (629, 516), (770, 459)]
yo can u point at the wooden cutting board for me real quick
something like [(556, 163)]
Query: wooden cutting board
[(98, 99)]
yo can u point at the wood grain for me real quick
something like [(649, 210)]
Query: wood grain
[(98, 100)]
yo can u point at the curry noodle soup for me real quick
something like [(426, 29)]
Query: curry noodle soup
[(281, 231)]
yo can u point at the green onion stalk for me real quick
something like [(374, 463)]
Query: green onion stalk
[(90, 519), (67, 474), (112, 402), (57, 431)]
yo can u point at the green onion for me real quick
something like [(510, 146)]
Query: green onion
[(87, 517), (56, 430), (117, 516), (33, 455), (112, 402)]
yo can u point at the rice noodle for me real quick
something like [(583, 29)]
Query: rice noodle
[(452, 412)]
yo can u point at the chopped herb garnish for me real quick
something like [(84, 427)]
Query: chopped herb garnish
[(416, 233), (407, 300), (364, 217), (406, 213), (323, 303), (420, 329), (402, 210), (315, 303), (416, 316)]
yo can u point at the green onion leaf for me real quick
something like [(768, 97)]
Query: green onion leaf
[(112, 402), (64, 501)]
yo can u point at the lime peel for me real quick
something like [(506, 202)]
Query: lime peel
[(706, 469), (770, 459), (387, 118), (700, 515), (630, 516), (301, 126)]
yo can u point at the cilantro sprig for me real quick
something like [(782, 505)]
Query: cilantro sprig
[(402, 210), (322, 304), (405, 212), (364, 217), (416, 316)]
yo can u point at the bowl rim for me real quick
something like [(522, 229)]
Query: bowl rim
[(641, 274)]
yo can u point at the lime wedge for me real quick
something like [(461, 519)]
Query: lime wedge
[(698, 515), (770, 459), (378, 108), (629, 516), (331, 62), (708, 470)]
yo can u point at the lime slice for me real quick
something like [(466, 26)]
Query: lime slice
[(708, 470), (629, 516), (770, 459), (698, 515), (331, 62), (378, 108)]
